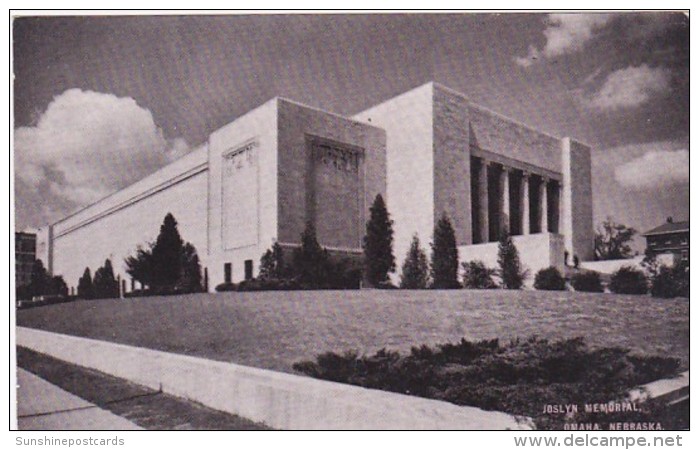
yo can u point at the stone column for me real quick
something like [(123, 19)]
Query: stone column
[(505, 194), (557, 207), (543, 202), (524, 202), (483, 201)]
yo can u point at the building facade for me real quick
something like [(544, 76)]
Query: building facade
[(487, 173), (669, 239), (25, 255), (429, 151)]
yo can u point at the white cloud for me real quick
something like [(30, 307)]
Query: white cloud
[(88, 144), (656, 168), (570, 32), (629, 87), (565, 33)]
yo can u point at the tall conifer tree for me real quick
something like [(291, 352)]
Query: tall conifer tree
[(415, 273), (445, 256), (166, 255), (85, 285), (378, 244), (511, 270)]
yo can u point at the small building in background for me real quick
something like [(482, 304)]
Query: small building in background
[(25, 255), (670, 239)]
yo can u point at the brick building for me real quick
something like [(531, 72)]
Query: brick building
[(429, 151), (671, 238)]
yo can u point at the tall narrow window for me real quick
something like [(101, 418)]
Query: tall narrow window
[(248, 269), (227, 272)]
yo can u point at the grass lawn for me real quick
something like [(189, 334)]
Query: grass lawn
[(275, 329)]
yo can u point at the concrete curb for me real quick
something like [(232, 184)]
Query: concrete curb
[(670, 390), (279, 400)]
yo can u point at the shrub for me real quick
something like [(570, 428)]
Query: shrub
[(342, 273), (511, 270), (313, 267), (136, 293), (515, 377), (272, 263), (267, 284), (628, 280), (671, 282), (588, 281), (549, 279), (226, 287), (415, 274), (478, 276)]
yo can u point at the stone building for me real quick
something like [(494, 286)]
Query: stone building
[(445, 154), (429, 152), (255, 181)]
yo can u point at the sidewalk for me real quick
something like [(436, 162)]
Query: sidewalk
[(43, 406), (83, 388)]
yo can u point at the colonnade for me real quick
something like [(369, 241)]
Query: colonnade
[(514, 199)]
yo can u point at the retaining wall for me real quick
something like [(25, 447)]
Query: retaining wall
[(280, 400)]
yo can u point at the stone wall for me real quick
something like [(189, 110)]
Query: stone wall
[(408, 121), (576, 219), (452, 162), (498, 134), (536, 252), (257, 213), (335, 197)]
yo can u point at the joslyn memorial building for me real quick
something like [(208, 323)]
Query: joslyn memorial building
[(428, 151)]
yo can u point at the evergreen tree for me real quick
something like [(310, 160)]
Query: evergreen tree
[(415, 273), (85, 285), (40, 280), (168, 264), (445, 257), (272, 263), (58, 286), (166, 260), (104, 284), (378, 244), (511, 270), (478, 276), (140, 267), (190, 279), (311, 261)]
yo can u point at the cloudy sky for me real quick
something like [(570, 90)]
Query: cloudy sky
[(101, 102)]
